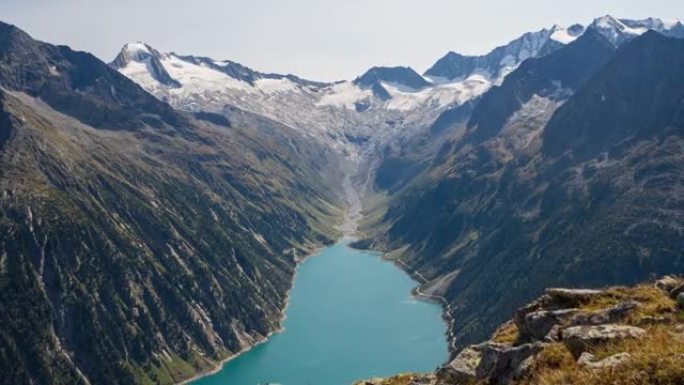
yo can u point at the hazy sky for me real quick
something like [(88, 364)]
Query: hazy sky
[(315, 39)]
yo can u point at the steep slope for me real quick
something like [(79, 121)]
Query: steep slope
[(554, 77), (137, 244), (580, 126), (588, 199), (74, 83), (533, 46)]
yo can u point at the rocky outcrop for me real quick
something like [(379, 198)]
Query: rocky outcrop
[(489, 361), (579, 338), (572, 323), (667, 283), (627, 335), (557, 308)]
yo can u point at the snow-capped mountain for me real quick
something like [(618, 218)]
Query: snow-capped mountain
[(618, 31), (382, 104), (498, 63), (144, 60), (383, 100)]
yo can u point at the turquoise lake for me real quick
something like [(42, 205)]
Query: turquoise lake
[(351, 317)]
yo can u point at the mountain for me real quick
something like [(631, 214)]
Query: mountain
[(149, 60), (358, 118), (611, 108), (619, 31), (71, 82), (378, 104), (555, 76), (401, 76), (139, 244), (502, 60), (577, 191)]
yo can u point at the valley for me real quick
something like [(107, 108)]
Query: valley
[(166, 215)]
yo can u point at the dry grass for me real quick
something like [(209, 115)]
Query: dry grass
[(400, 379), (653, 302), (506, 333), (657, 359)]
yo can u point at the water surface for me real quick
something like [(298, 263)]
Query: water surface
[(351, 316)]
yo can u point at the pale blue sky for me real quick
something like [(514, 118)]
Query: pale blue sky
[(316, 39)]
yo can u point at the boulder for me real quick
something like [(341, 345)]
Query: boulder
[(538, 324), (578, 338), (554, 334), (610, 315), (505, 364), (490, 361), (589, 360), (572, 297), (677, 290), (463, 368), (667, 283), (542, 325)]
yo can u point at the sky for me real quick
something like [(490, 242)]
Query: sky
[(314, 39)]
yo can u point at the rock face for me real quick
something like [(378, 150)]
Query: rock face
[(578, 338)]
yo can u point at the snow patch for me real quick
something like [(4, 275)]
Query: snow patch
[(345, 95), (276, 85), (135, 49), (562, 35)]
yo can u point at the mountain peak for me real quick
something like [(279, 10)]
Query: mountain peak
[(619, 31), (137, 49), (134, 55), (11, 36), (402, 76), (502, 60)]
